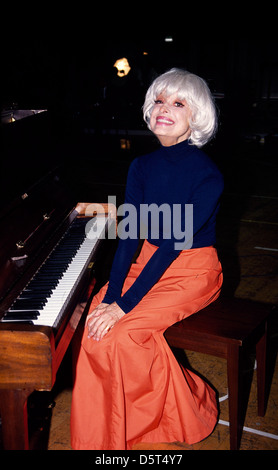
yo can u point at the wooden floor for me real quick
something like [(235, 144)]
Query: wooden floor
[(248, 247)]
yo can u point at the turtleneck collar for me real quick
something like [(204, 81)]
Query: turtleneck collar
[(178, 151)]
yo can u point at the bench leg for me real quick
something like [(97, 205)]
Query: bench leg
[(261, 373), (233, 388)]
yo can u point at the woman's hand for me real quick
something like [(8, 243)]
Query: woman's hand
[(102, 319)]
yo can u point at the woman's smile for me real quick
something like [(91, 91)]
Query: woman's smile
[(162, 120)]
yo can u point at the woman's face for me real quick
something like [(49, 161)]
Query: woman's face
[(170, 120)]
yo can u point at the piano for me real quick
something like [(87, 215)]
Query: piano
[(49, 246)]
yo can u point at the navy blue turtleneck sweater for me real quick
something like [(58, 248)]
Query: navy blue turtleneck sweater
[(174, 176)]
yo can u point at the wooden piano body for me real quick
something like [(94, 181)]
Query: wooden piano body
[(30, 355)]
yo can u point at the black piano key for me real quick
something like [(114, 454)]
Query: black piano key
[(47, 280), (31, 304), (43, 277), (34, 295), (51, 283), (22, 315), (40, 290), (54, 266)]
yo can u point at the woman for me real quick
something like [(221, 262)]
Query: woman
[(129, 387)]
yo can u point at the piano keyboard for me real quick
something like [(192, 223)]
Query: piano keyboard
[(46, 296)]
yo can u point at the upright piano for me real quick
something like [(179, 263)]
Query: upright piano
[(49, 245)]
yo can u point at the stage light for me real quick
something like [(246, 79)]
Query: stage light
[(123, 67), (169, 39)]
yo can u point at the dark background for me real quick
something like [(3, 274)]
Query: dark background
[(70, 73), (92, 114)]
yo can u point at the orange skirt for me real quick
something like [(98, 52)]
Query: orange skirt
[(129, 387)]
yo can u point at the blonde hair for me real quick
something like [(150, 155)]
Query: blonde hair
[(196, 93)]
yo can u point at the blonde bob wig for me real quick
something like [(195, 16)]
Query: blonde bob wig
[(196, 93)]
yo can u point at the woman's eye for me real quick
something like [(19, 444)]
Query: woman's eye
[(179, 105), (158, 102)]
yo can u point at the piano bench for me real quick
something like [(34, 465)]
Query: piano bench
[(224, 329)]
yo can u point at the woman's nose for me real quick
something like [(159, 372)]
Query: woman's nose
[(164, 108)]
